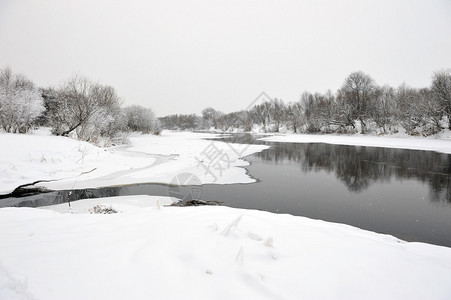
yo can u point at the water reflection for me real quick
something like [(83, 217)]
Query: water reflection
[(59, 197), (359, 167)]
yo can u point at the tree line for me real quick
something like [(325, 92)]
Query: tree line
[(79, 107), (359, 106), (91, 111)]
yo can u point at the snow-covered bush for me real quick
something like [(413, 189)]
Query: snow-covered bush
[(141, 119), (102, 209), (20, 102)]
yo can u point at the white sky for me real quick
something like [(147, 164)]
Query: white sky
[(182, 56)]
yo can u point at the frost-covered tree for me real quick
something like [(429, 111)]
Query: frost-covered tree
[(441, 88), (431, 112), (407, 113), (420, 113), (181, 122), (359, 101), (210, 117), (383, 108), (20, 102), (276, 112), (342, 111), (260, 114), (308, 102), (245, 120), (293, 115), (325, 112), (358, 89), (141, 119), (87, 108)]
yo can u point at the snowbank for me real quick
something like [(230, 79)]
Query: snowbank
[(404, 142), (207, 253), (75, 164)]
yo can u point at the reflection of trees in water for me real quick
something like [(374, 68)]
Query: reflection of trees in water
[(440, 188), (59, 197), (358, 166)]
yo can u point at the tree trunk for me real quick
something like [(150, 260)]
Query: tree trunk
[(362, 126), (65, 133)]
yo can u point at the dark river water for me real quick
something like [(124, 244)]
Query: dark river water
[(405, 193)]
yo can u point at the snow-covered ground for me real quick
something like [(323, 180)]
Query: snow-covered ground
[(401, 141), (206, 253), (192, 252), (75, 165)]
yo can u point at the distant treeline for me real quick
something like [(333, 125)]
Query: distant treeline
[(359, 106)]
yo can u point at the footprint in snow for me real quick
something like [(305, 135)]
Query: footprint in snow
[(240, 256), (213, 227), (232, 226), (254, 236), (269, 243)]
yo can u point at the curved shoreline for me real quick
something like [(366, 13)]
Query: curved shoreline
[(412, 143)]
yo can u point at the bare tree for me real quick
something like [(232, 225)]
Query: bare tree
[(343, 113), (293, 115), (88, 108), (260, 114), (244, 120), (325, 112), (276, 112), (430, 111), (358, 89), (383, 108), (20, 102), (419, 111), (210, 117), (309, 104), (407, 112), (441, 87), (106, 118), (181, 122), (228, 121), (141, 119)]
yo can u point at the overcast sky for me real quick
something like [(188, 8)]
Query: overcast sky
[(182, 56)]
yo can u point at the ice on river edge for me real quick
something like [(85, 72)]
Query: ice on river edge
[(158, 159)]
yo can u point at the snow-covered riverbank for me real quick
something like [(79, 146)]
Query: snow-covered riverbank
[(206, 253), (442, 144), (75, 165)]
